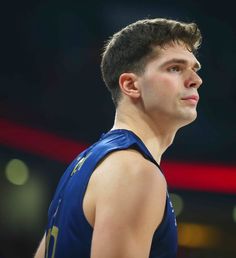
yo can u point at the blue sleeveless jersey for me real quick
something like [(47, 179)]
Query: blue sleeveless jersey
[(69, 234)]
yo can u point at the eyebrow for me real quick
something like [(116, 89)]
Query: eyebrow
[(196, 65)]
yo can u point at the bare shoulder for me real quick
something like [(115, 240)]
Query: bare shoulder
[(128, 165), (129, 198), (127, 182)]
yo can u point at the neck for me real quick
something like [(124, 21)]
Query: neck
[(155, 135)]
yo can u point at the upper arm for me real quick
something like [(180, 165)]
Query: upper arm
[(41, 249), (130, 204)]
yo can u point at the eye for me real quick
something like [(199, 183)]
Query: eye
[(175, 68)]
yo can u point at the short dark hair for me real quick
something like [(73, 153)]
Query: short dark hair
[(131, 48)]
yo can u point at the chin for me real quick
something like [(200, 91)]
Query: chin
[(188, 119)]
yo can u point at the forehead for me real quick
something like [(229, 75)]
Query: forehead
[(175, 51)]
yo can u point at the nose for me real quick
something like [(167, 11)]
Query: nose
[(193, 80)]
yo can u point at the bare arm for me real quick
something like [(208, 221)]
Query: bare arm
[(130, 205), (41, 249)]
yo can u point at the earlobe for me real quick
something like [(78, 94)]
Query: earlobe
[(128, 85)]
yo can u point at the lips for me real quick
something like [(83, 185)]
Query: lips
[(191, 99)]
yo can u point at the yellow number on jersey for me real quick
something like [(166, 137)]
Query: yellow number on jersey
[(52, 233)]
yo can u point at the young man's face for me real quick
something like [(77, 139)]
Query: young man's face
[(169, 85)]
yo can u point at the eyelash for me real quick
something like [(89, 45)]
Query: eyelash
[(176, 68)]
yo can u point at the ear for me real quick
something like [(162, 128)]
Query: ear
[(128, 85)]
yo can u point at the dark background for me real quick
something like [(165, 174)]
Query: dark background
[(50, 80)]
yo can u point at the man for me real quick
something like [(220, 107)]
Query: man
[(112, 201)]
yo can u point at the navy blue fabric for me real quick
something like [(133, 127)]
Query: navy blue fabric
[(69, 234)]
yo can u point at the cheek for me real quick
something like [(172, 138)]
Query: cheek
[(166, 87), (169, 82), (159, 90), (158, 97), (170, 87)]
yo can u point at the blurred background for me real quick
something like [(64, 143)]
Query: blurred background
[(53, 104)]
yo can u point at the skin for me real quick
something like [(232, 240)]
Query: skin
[(126, 194), (152, 103), (126, 217), (41, 249), (167, 80), (154, 106)]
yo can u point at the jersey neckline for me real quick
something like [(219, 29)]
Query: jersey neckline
[(137, 137)]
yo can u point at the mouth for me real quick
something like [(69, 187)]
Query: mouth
[(192, 99)]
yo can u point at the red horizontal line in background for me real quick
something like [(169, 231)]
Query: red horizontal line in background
[(38, 142), (200, 177), (179, 175)]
